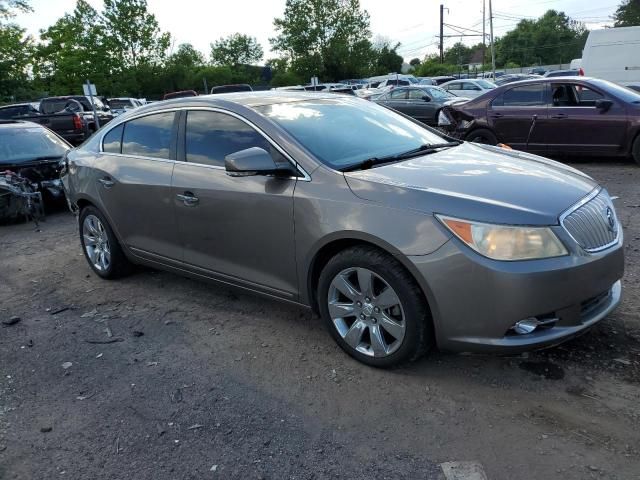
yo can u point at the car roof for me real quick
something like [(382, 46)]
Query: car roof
[(247, 99), (15, 105)]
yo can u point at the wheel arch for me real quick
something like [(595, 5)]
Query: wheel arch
[(335, 244)]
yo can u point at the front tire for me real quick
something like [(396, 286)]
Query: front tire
[(482, 135), (100, 246), (635, 150), (373, 308)]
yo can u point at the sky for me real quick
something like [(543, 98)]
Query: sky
[(413, 23)]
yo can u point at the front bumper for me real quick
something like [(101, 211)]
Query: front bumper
[(476, 301)]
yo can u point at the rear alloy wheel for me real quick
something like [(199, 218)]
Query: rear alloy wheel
[(373, 307), (482, 135), (100, 245)]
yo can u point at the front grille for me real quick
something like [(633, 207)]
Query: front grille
[(593, 225)]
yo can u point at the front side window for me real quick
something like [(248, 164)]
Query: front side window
[(211, 136), (398, 94), (438, 93), (149, 136), (416, 94), (341, 132), (524, 96)]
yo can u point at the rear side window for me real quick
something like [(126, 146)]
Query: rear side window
[(149, 136), (524, 96), (8, 112), (112, 141), (210, 136), (398, 94)]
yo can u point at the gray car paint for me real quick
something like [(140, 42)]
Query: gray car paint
[(266, 234)]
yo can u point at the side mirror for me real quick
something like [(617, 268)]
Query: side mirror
[(603, 105), (250, 162), (426, 98)]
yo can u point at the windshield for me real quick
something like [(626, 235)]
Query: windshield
[(623, 93), (342, 132), (24, 144), (120, 104), (438, 93), (484, 84)]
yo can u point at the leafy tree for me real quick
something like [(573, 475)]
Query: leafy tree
[(552, 38), (236, 49), (133, 33), (8, 8), (181, 67), (385, 57), (627, 14), (327, 38), (73, 50), (16, 53), (457, 54), (415, 62)]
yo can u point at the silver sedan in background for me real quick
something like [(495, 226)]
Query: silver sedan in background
[(401, 239), (468, 88)]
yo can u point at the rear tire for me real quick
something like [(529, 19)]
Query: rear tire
[(482, 135), (635, 150), (100, 245), (383, 319)]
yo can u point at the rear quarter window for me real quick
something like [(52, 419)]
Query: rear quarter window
[(112, 141)]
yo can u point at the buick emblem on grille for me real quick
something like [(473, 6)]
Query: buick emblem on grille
[(610, 219)]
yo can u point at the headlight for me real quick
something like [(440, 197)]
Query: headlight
[(443, 120), (503, 242)]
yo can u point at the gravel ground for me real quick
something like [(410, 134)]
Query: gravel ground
[(199, 381)]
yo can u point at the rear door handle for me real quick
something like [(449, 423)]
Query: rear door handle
[(188, 198), (107, 182), (560, 115)]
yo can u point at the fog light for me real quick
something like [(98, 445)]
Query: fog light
[(525, 326)]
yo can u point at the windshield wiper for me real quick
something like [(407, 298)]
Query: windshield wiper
[(421, 150)]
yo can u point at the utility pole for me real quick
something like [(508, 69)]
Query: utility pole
[(493, 50), (441, 32), (484, 37)]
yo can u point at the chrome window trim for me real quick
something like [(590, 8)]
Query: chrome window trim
[(593, 194), (305, 178)]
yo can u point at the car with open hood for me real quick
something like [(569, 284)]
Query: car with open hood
[(400, 237)]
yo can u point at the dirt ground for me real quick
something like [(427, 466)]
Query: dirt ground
[(203, 382)]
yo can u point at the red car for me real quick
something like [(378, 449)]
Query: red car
[(552, 116)]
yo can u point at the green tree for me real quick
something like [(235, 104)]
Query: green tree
[(326, 38), (385, 57), (8, 8), (133, 33), (236, 49), (73, 50), (181, 67), (457, 54), (415, 62), (627, 14), (16, 54), (552, 38)]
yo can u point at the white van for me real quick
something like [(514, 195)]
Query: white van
[(613, 54)]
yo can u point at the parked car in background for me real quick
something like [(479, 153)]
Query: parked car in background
[(562, 73), (51, 105), (426, 81), (612, 54), (422, 102), (380, 232), (442, 79), (70, 123), (180, 94), (537, 71), (240, 87), (377, 80), (30, 158), (470, 88), (565, 115), (120, 105), (514, 77), (16, 110)]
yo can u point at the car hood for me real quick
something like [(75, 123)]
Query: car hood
[(476, 182)]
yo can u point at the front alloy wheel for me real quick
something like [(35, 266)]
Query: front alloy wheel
[(373, 307), (366, 312)]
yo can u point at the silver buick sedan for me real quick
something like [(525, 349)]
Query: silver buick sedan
[(401, 239)]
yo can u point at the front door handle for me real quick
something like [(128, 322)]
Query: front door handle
[(559, 115), (188, 198), (107, 182)]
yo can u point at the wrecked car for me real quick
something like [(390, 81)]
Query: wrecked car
[(30, 156)]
